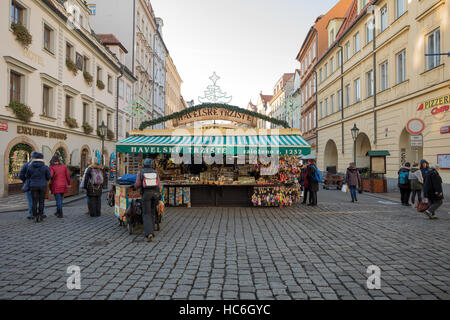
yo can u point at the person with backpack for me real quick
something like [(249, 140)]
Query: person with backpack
[(433, 191), (38, 175), (26, 185), (60, 181), (93, 183), (404, 184), (416, 181), (353, 180), (314, 176), (147, 181)]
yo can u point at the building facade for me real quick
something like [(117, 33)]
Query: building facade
[(174, 100), (65, 77), (384, 84), (263, 107), (281, 90), (159, 68)]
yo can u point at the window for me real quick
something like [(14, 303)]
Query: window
[(46, 96), (401, 66), (326, 107), (17, 13), (339, 99), (357, 90), (314, 115), (326, 70), (433, 46), (85, 64), (369, 32), (320, 75), (303, 124), (339, 58), (121, 89), (383, 18), (331, 37), (332, 65), (309, 122), (321, 110), (310, 56), (110, 84), (314, 51), (347, 95), (128, 93), (68, 106), (384, 76), (347, 50), (332, 103), (369, 83), (109, 121), (99, 74), (69, 50), (85, 112), (15, 86), (356, 43), (48, 38), (400, 8), (99, 117), (79, 61)]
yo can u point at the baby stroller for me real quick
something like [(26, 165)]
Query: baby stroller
[(134, 216)]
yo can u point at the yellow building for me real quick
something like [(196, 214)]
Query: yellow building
[(174, 100), (383, 86)]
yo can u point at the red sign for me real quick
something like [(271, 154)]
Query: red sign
[(438, 110), (415, 126), (445, 129), (3, 126)]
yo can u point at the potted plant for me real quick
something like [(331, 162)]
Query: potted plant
[(110, 134), (72, 66), (22, 34), (100, 84), (87, 128), (71, 123), (88, 77), (21, 111)]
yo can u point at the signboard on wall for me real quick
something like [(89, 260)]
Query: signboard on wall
[(93, 8), (3, 126), (416, 141), (444, 161), (445, 129)]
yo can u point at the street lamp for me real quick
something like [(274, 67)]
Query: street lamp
[(355, 133), (103, 131)]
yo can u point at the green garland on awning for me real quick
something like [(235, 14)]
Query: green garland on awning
[(176, 115)]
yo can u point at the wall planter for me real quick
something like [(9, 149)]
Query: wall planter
[(21, 111), (71, 123), (87, 128), (72, 66), (22, 34), (100, 84), (110, 135), (88, 77)]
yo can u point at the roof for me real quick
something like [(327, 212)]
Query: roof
[(111, 40), (266, 98), (287, 77)]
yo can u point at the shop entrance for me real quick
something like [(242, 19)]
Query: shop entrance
[(408, 153), (362, 147), (18, 156), (331, 157), (84, 160)]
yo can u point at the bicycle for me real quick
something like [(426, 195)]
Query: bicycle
[(135, 216)]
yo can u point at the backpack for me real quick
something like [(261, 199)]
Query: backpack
[(317, 175), (149, 180), (96, 177), (403, 177)]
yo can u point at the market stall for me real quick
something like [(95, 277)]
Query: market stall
[(236, 178)]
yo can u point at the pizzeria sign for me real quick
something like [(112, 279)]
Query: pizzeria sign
[(437, 105)]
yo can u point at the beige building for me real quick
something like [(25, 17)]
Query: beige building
[(65, 77), (174, 100), (382, 86)]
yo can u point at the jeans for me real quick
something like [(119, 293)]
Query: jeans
[(59, 200), (149, 201), (353, 192), (30, 203), (38, 194), (419, 196), (434, 205)]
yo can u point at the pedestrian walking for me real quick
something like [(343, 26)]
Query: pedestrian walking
[(60, 179), (148, 182), (353, 180), (26, 185), (304, 184), (424, 168), (403, 183), (433, 191), (93, 184), (38, 175), (313, 176), (416, 181)]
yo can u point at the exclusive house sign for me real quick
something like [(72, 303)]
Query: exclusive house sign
[(216, 114), (41, 133)]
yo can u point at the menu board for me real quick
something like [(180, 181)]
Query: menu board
[(378, 165), (444, 161)]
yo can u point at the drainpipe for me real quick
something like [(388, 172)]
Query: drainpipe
[(374, 79), (342, 98)]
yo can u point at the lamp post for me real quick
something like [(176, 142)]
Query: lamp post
[(355, 133), (103, 130)]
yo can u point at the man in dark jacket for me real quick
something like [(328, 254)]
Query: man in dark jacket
[(150, 197), (433, 191), (23, 177), (404, 184), (312, 183), (38, 175)]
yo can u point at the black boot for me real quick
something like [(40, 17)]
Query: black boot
[(59, 214)]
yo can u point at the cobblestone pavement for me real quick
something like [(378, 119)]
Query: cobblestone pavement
[(228, 253)]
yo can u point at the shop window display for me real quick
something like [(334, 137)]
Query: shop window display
[(19, 155)]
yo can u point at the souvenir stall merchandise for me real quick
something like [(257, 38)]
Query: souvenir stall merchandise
[(279, 196)]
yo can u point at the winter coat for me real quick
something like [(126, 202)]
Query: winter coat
[(60, 178), (304, 179), (415, 179), (352, 178), (407, 185), (38, 173), (313, 185), (23, 172), (432, 188), (92, 191)]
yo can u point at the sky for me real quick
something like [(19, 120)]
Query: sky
[(248, 43)]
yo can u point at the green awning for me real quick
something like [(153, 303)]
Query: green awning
[(227, 145), (378, 153)]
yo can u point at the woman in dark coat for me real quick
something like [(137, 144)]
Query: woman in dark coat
[(353, 180), (39, 175), (433, 191), (60, 181), (313, 185)]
